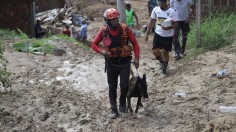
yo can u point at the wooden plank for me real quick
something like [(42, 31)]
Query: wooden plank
[(198, 23)]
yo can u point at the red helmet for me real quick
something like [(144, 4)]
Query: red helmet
[(111, 14)]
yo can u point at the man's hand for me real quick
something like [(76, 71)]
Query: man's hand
[(105, 53), (166, 28), (136, 63)]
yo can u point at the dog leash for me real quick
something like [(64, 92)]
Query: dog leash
[(136, 70)]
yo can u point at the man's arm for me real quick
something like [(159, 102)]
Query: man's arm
[(192, 10), (98, 38), (150, 26), (136, 17), (136, 47), (134, 43)]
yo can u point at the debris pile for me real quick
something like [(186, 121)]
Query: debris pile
[(60, 17)]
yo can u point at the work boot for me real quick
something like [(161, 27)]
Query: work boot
[(177, 56), (114, 113), (160, 65), (122, 108), (160, 61), (182, 53), (164, 68)]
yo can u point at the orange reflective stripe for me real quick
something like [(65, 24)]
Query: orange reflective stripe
[(124, 34)]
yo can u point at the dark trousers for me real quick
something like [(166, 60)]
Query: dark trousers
[(113, 72), (184, 28)]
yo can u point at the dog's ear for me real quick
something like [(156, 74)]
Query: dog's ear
[(144, 77)]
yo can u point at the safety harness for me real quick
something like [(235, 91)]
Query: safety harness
[(125, 50)]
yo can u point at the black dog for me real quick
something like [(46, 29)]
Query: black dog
[(137, 88)]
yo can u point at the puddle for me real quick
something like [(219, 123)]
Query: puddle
[(88, 76)]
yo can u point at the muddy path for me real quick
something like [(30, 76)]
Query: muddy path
[(70, 93)]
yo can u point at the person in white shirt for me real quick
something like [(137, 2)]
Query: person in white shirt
[(185, 10), (163, 37)]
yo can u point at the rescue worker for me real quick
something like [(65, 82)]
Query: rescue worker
[(162, 41), (117, 51)]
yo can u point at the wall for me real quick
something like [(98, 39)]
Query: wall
[(44, 5), (17, 14)]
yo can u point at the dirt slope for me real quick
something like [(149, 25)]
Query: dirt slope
[(70, 93)]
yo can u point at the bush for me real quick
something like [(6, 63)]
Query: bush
[(217, 31), (4, 74)]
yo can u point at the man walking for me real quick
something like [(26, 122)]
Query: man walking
[(185, 10), (130, 14), (163, 37), (118, 54)]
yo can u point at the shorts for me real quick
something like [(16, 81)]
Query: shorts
[(162, 42)]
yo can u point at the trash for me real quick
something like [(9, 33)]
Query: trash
[(180, 94), (137, 33), (67, 22), (227, 109), (37, 51), (58, 52), (222, 73)]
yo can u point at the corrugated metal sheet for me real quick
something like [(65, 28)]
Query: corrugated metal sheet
[(17, 14)]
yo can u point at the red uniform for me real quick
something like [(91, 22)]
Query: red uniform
[(99, 37)]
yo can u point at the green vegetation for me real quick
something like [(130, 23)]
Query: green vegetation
[(6, 34), (32, 44), (217, 31), (4, 74), (29, 45), (71, 40)]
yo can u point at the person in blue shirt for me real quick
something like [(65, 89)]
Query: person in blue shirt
[(151, 4), (83, 32)]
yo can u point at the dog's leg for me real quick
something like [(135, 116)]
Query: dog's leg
[(129, 105), (127, 108), (138, 104), (141, 105)]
